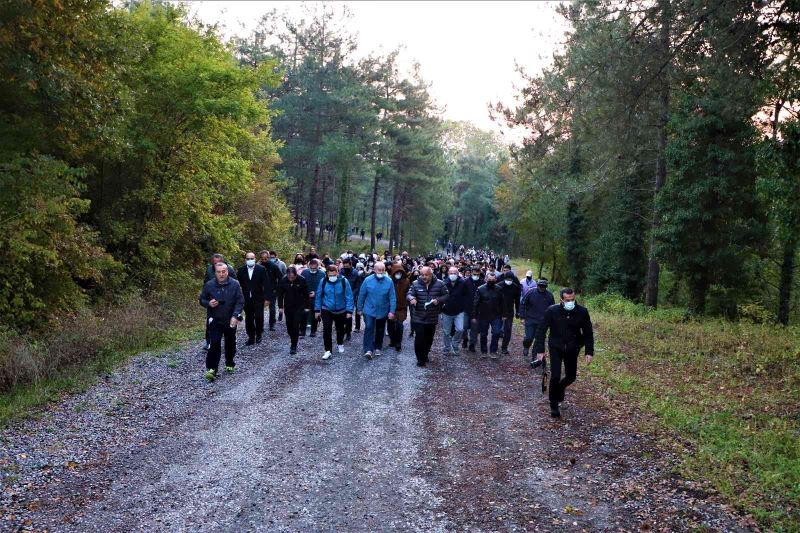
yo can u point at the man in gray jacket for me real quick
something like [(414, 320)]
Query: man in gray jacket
[(426, 297), (223, 298)]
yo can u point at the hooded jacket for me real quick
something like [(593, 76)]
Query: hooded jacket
[(401, 287)]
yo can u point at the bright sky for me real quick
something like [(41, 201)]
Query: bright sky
[(466, 50)]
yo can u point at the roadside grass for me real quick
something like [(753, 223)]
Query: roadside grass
[(731, 389), (75, 351)]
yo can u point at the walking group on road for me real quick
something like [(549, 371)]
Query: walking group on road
[(473, 294)]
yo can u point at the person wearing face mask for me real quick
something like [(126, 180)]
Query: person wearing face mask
[(570, 330), (426, 296), (333, 303), (376, 302), (510, 287), (472, 280), (532, 308), (313, 276), (253, 279), (352, 275), (292, 300), (269, 262), (454, 311), (401, 286), (487, 312), (526, 285)]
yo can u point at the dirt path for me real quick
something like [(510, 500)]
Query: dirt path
[(298, 444)]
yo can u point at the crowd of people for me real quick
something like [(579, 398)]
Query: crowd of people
[(473, 295)]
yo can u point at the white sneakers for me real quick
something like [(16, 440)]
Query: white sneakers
[(326, 356), (340, 347), (368, 355), (377, 353)]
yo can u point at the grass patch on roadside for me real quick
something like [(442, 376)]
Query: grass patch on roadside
[(35, 370), (731, 389)]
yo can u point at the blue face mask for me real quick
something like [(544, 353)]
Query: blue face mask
[(569, 306)]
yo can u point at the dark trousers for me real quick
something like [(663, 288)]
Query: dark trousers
[(558, 383), (423, 340), (470, 331), (272, 313), (294, 319), (508, 323), (328, 321), (309, 316), (496, 325), (349, 323), (216, 331), (253, 317), (395, 330)]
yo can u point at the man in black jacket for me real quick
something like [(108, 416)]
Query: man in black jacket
[(570, 330), (454, 311), (425, 297), (532, 307), (511, 292), (253, 278), (487, 311), (269, 260), (223, 298), (472, 281), (216, 258), (292, 301)]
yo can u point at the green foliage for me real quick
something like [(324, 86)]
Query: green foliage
[(47, 252), (729, 389)]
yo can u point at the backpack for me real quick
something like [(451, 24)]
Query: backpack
[(325, 282)]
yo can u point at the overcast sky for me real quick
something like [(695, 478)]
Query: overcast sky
[(467, 50)]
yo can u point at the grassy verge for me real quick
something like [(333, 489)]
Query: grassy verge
[(731, 389), (76, 350)]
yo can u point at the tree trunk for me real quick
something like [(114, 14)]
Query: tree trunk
[(343, 222), (374, 209), (311, 228), (787, 278), (653, 267), (322, 199)]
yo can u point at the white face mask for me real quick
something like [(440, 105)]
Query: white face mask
[(251, 262), (476, 278), (379, 275), (569, 306), (453, 277), (313, 270), (509, 282), (333, 279), (398, 276)]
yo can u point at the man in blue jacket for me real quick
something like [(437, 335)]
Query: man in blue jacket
[(223, 298), (313, 276), (377, 302), (333, 302), (532, 309)]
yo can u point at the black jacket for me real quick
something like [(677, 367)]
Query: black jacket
[(511, 295), (569, 330), (230, 298), (472, 287), (253, 289), (534, 304), (459, 299), (293, 295), (435, 291), (273, 278), (488, 303)]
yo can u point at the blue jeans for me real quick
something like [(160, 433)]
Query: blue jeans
[(452, 343), (530, 333), (497, 331), (374, 329)]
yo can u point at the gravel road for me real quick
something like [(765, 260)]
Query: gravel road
[(294, 443)]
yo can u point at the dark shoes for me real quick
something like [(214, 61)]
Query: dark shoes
[(258, 339), (293, 350), (250, 341), (471, 348), (312, 335), (555, 412), (347, 336), (504, 351), (397, 347)]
